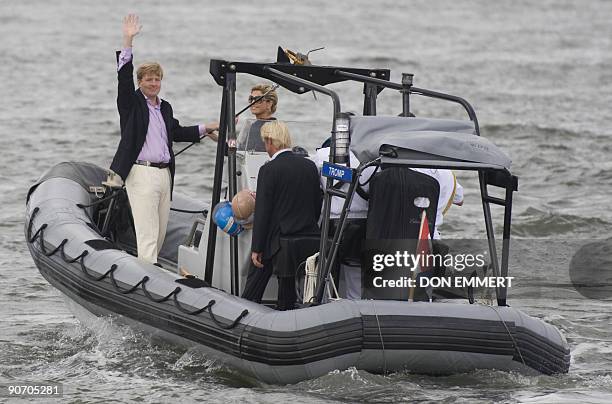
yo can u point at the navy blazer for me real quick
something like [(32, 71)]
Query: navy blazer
[(134, 122), (288, 201)]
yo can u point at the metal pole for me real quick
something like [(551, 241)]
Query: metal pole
[(406, 84), (216, 193), (230, 83), (506, 240), (414, 90), (325, 270), (490, 232), (370, 92)]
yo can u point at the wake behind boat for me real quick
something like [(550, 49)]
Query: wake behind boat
[(81, 238)]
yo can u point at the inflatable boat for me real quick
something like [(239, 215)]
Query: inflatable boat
[(80, 236)]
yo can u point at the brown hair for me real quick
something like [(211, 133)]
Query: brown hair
[(149, 68), (271, 96)]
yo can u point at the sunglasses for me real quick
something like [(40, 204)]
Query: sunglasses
[(251, 98)]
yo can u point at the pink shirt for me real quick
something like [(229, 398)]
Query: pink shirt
[(155, 148)]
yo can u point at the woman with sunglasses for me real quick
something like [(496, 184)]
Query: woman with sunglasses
[(265, 107), (263, 111)]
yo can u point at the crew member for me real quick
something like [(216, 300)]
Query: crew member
[(451, 193), (354, 233)]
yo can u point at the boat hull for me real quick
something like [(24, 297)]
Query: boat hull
[(273, 346)]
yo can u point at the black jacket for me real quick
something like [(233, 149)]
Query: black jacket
[(288, 201), (134, 122)]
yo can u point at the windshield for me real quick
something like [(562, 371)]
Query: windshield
[(308, 135)]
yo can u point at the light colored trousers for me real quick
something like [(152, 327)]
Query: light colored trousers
[(350, 282), (148, 190)]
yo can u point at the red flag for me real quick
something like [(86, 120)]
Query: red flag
[(423, 250), (424, 247)]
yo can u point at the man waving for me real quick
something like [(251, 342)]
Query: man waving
[(144, 157)]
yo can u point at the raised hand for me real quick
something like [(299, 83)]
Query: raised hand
[(131, 28)]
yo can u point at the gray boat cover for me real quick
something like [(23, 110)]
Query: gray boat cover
[(432, 139)]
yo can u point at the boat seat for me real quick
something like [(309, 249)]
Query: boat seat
[(392, 213), (394, 221)]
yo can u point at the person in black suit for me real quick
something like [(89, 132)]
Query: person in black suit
[(144, 157), (288, 203)]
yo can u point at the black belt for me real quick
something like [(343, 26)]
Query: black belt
[(150, 164)]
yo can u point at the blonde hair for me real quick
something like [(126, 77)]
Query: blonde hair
[(271, 96), (149, 68), (278, 133)]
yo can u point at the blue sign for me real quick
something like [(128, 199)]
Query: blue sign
[(337, 172)]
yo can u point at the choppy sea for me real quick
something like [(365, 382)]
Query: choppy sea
[(537, 73)]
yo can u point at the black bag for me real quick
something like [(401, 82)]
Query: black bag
[(293, 251)]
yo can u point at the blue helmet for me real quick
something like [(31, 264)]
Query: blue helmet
[(224, 218)]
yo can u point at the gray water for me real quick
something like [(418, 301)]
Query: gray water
[(537, 73)]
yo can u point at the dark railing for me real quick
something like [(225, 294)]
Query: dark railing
[(305, 78)]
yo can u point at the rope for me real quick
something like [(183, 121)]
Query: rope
[(518, 350), (99, 201), (70, 261), (39, 231), (224, 326), (163, 299), (191, 313), (110, 274), (130, 290), (97, 278), (64, 241), (34, 212), (42, 244), (203, 211), (311, 271), (381, 340), (449, 203), (208, 308)]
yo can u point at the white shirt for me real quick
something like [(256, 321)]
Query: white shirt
[(359, 206), (278, 152), (450, 192)]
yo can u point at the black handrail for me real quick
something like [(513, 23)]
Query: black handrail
[(414, 90)]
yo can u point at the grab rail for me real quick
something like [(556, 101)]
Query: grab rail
[(40, 234)]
